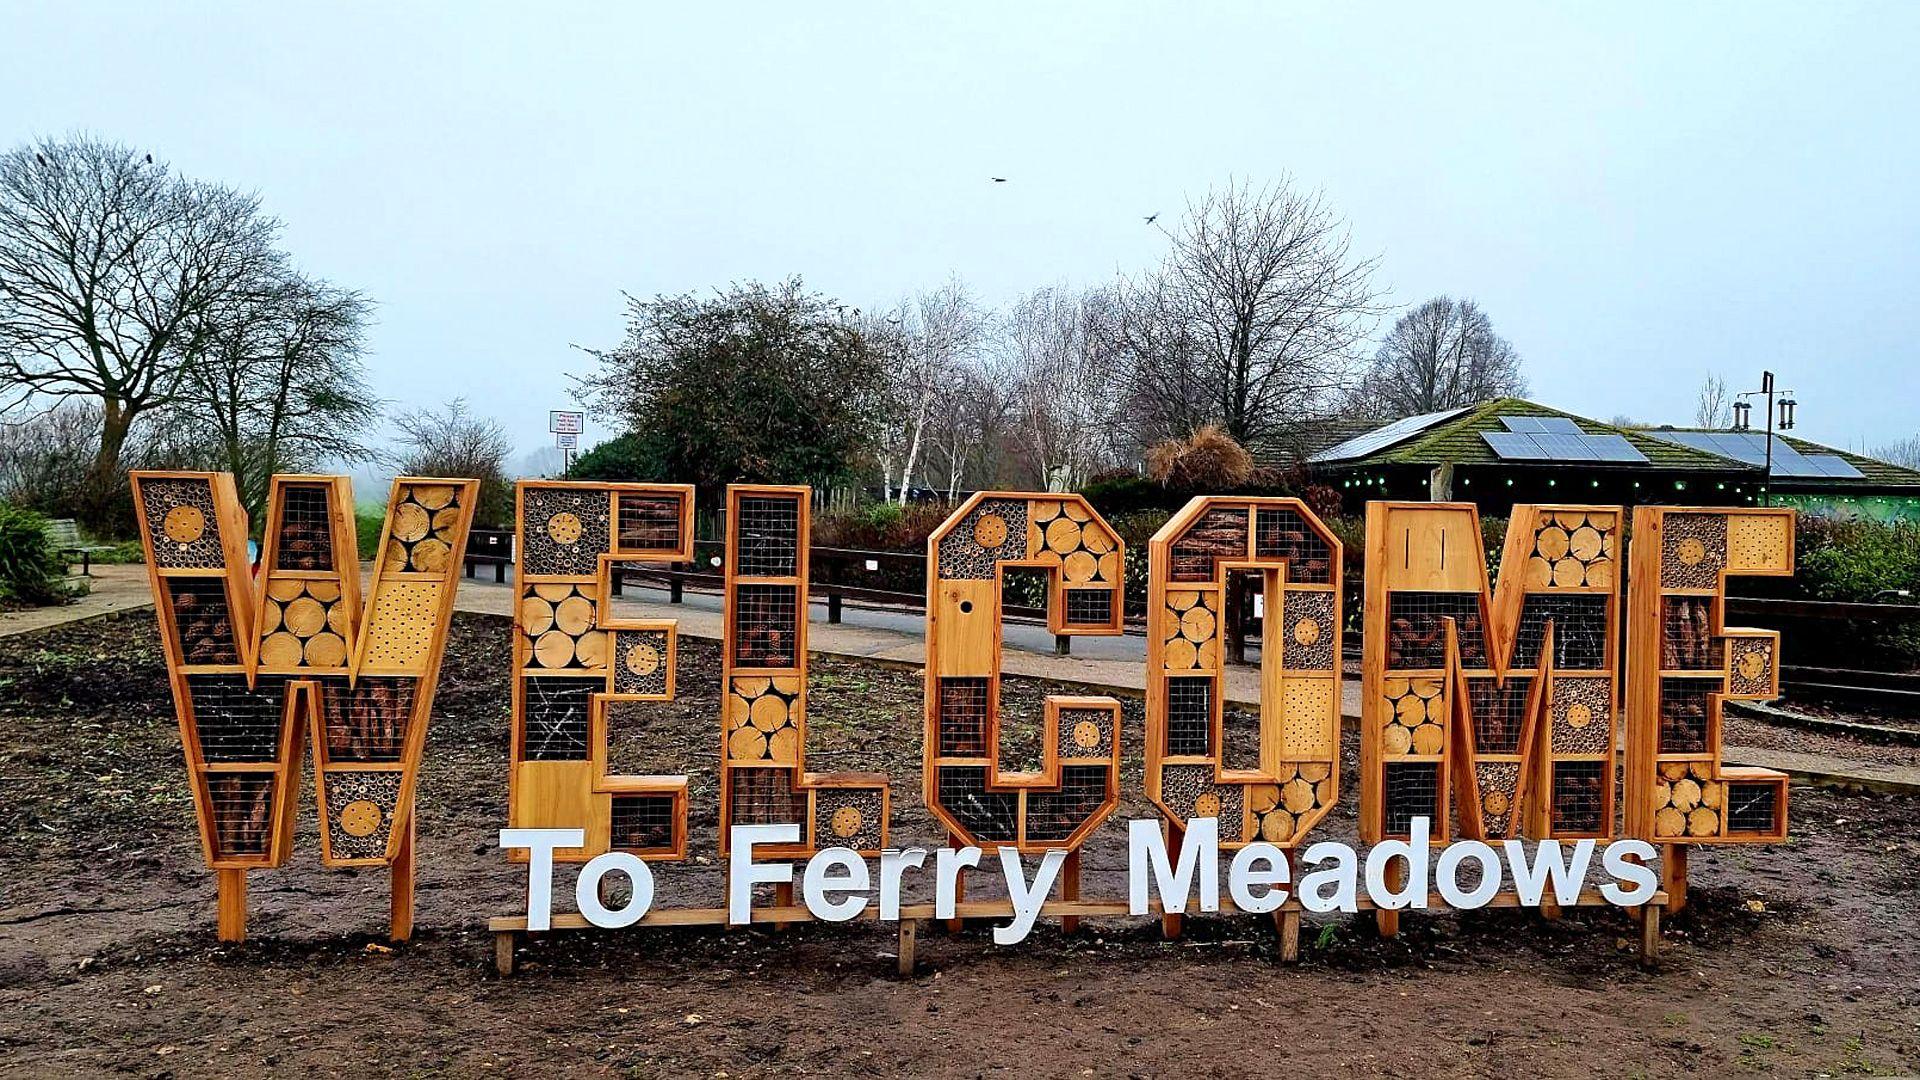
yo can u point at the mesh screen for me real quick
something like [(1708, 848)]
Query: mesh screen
[(1686, 635), (1416, 630), (1753, 808), (1089, 607), (764, 796), (1683, 715), (368, 722), (1218, 534), (1190, 716), (642, 822), (202, 620), (306, 533), (1579, 631), (764, 618), (989, 815), (233, 723), (1498, 713), (963, 717), (648, 522), (1412, 789), (242, 805), (1283, 533), (1579, 796), (1053, 815), (556, 712), (767, 537)]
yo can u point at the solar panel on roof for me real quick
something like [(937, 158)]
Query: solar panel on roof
[(1381, 438), (1523, 424), (1562, 447), (1836, 466), (1750, 448), (1559, 425), (1513, 445), (1614, 448)]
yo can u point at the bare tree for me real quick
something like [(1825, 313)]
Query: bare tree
[(1905, 452), (931, 343), (281, 387), (1442, 354), (456, 443), (112, 272), (1268, 307), (1062, 384), (1714, 409)]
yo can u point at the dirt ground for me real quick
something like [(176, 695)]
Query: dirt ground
[(1794, 960)]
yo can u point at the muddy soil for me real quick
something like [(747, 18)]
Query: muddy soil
[(1794, 960)]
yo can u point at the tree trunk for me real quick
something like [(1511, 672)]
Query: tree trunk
[(105, 481)]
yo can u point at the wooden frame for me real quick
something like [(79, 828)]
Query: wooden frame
[(257, 665), (1685, 663), (967, 558), (574, 662), (1192, 560), (763, 678)]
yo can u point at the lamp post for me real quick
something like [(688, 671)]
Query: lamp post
[(1742, 420)]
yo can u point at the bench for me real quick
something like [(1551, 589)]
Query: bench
[(64, 535), (490, 546)]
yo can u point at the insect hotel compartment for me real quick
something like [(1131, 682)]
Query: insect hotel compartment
[(1053, 815), (368, 721), (642, 823), (1499, 712), (1579, 631), (1190, 717), (963, 717), (1687, 641), (1580, 797), (234, 724), (1686, 714), (767, 540), (765, 626), (304, 624), (765, 796), (202, 620), (557, 714), (649, 522), (993, 816), (1754, 808), (1218, 534), (1417, 630), (1089, 607), (1411, 789), (242, 809), (305, 539), (1282, 533)]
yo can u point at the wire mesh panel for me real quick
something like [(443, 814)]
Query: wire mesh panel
[(1687, 641), (1416, 629), (649, 522), (1282, 533), (963, 717), (202, 620), (235, 724), (764, 796), (1089, 607), (1411, 790), (1499, 712), (642, 823), (557, 717), (369, 720), (1053, 815), (767, 537), (1684, 714), (242, 809), (1579, 796), (764, 622), (1218, 534), (1190, 717), (1579, 631), (1753, 808), (306, 528), (993, 816)]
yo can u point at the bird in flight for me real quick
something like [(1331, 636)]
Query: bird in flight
[(998, 179), (1153, 217), (149, 159)]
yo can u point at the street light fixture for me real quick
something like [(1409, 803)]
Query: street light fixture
[(1785, 404)]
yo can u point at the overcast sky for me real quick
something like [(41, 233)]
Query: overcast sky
[(1636, 194)]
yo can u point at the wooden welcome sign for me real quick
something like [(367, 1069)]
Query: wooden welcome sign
[(1491, 710), (257, 658)]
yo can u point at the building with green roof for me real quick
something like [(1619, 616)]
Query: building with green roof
[(1510, 450)]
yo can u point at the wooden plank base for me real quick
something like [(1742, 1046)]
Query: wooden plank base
[(400, 904), (1286, 920)]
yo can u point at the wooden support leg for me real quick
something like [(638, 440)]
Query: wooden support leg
[(400, 905), (231, 887), (1549, 906), (909, 936), (782, 897), (1170, 923), (1649, 935), (1673, 876), (956, 925), (504, 942), (1287, 922), (1389, 921), (1070, 890)]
